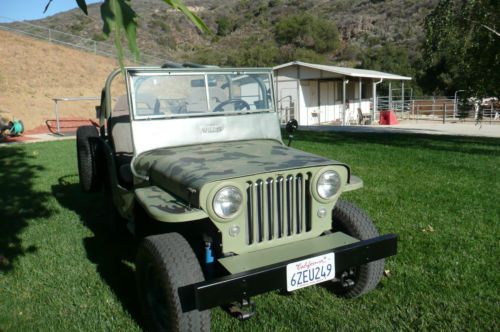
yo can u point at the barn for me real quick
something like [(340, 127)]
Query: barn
[(316, 94)]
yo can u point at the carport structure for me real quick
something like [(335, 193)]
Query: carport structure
[(314, 94)]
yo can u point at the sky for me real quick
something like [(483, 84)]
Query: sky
[(16, 10)]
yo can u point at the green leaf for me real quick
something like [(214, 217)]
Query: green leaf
[(118, 16), (179, 5), (83, 6)]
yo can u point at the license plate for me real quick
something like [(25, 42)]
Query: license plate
[(310, 271)]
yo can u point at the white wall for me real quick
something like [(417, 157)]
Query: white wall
[(315, 101)]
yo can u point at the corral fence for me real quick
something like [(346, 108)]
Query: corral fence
[(74, 41), (440, 109)]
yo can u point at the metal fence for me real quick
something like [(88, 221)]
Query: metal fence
[(442, 109), (74, 41)]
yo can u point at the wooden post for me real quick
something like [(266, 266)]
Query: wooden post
[(444, 113)]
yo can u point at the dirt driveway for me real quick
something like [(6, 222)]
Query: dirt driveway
[(432, 128)]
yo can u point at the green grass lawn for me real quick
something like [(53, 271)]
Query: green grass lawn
[(61, 270)]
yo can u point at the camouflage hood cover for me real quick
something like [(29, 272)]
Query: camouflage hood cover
[(177, 169)]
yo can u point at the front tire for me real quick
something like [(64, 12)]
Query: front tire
[(353, 221), (165, 263)]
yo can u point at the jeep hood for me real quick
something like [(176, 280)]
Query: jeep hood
[(184, 170)]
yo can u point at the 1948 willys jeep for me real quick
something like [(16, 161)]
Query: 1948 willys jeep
[(195, 165)]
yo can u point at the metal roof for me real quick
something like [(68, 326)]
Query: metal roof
[(353, 72)]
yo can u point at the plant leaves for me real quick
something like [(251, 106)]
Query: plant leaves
[(118, 16), (83, 6), (179, 5)]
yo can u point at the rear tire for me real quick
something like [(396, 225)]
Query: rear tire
[(165, 263), (89, 158), (353, 221)]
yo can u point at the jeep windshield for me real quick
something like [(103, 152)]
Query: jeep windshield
[(170, 93)]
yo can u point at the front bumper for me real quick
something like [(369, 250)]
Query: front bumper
[(234, 287)]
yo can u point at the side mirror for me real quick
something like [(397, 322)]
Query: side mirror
[(291, 127)]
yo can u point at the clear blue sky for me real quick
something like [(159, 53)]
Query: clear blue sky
[(33, 9)]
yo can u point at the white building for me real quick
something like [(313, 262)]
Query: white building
[(315, 94)]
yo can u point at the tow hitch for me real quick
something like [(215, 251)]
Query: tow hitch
[(242, 310)]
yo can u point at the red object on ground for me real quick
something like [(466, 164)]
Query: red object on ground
[(388, 118), (68, 125)]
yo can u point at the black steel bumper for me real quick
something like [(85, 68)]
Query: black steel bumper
[(234, 287)]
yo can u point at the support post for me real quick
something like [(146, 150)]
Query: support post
[(344, 84), (360, 91), (444, 113), (402, 98), (375, 101), (56, 110), (390, 97)]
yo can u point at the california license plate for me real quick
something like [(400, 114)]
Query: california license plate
[(310, 271)]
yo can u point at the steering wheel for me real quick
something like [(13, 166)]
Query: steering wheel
[(239, 104)]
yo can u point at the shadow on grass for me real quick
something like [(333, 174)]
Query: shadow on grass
[(463, 144), (112, 253), (20, 202)]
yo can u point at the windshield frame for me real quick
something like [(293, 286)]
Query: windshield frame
[(132, 73)]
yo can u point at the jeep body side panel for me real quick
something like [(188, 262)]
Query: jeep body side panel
[(122, 198), (165, 207)]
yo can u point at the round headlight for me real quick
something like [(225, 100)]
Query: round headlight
[(328, 184), (227, 202)]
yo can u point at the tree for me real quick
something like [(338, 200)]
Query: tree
[(462, 48), (118, 17), (307, 31)]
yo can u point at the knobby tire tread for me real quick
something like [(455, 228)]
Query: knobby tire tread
[(350, 219), (178, 267)]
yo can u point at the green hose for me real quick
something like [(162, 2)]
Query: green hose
[(17, 128)]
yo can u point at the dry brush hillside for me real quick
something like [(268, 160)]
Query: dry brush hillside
[(32, 72)]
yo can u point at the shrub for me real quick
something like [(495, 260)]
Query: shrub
[(307, 31)]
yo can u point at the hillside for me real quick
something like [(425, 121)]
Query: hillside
[(32, 72), (238, 24)]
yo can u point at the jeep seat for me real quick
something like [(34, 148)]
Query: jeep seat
[(120, 133)]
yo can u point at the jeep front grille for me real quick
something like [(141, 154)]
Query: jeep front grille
[(277, 208)]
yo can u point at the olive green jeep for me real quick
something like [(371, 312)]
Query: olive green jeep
[(193, 161)]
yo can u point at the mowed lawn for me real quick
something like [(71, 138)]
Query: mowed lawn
[(61, 270)]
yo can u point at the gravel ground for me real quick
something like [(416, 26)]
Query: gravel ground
[(453, 129)]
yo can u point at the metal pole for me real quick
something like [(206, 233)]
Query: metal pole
[(390, 96), (344, 83), (444, 113), (56, 109), (95, 47), (375, 99), (360, 92), (491, 111), (455, 104), (50, 36), (402, 98), (433, 107)]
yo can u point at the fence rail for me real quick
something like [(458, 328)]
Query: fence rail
[(74, 41), (444, 109)]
